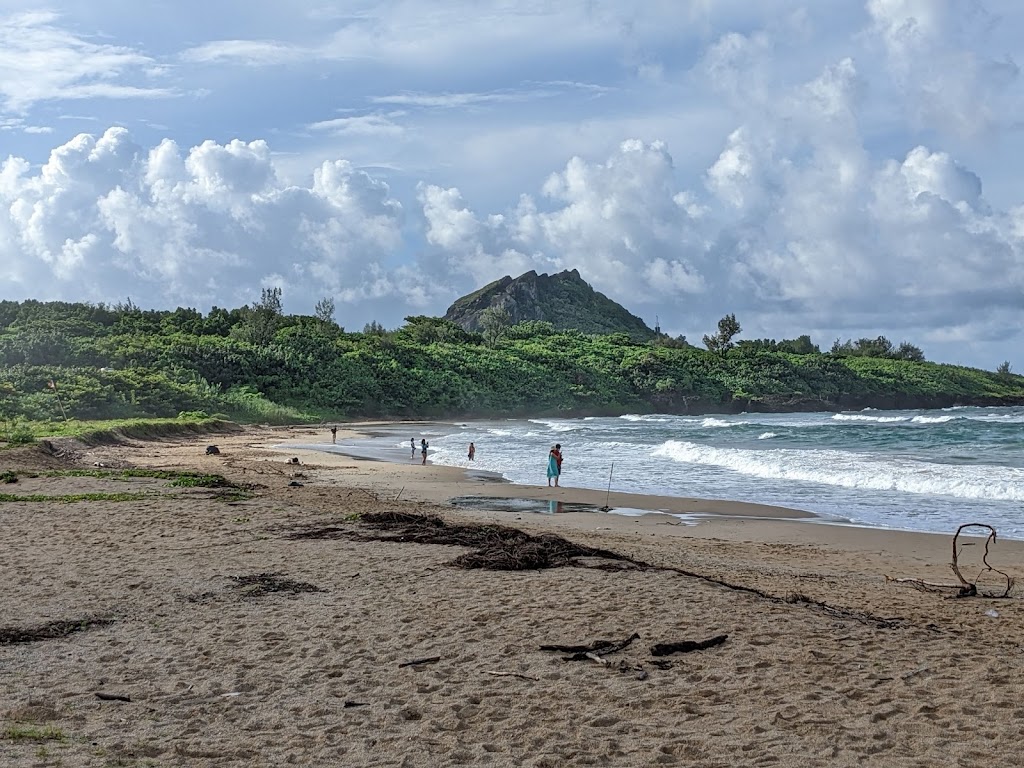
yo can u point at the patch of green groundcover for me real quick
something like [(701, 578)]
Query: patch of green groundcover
[(71, 498), (179, 479), (32, 733)]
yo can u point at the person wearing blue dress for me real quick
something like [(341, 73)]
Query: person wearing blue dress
[(554, 464)]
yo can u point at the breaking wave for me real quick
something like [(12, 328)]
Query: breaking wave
[(853, 470)]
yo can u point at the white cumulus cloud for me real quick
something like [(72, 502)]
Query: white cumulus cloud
[(103, 219)]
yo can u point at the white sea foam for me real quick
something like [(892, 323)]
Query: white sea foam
[(998, 418), (713, 423), (766, 436), (860, 417), (644, 417), (852, 470), (558, 426), (933, 419)]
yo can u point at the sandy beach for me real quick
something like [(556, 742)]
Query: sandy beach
[(262, 624)]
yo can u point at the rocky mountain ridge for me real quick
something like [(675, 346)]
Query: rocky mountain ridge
[(564, 299)]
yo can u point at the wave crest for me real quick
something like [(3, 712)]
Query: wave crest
[(851, 470)]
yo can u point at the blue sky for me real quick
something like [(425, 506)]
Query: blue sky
[(842, 168)]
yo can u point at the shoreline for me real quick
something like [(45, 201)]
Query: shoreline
[(430, 485), (427, 484), (709, 519)]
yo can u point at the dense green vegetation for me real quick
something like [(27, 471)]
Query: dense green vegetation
[(256, 364)]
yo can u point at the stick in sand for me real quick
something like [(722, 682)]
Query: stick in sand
[(514, 674), (605, 508), (417, 662)]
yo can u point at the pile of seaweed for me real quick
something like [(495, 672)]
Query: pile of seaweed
[(53, 630), (496, 547)]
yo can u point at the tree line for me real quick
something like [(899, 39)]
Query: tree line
[(256, 363)]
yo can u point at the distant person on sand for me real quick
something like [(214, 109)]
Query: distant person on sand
[(412, 447), (334, 434), (472, 452), (554, 463), (423, 449)]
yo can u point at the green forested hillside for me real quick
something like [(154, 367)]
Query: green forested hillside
[(257, 364)]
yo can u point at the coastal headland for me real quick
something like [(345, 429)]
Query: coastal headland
[(165, 606)]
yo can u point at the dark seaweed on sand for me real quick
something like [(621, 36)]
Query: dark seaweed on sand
[(53, 630), (497, 547)]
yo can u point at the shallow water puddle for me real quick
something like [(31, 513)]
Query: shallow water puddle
[(538, 506)]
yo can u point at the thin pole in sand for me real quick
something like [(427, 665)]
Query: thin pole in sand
[(605, 508), (52, 384)]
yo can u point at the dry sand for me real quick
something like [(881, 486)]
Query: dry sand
[(218, 675)]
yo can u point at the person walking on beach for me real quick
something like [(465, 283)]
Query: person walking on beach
[(554, 464), (423, 449), (334, 435), (472, 452), (412, 447)]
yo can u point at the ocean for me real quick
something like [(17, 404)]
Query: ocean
[(921, 470)]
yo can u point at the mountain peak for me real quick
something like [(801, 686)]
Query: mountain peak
[(564, 299)]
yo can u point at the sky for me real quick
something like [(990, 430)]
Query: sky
[(842, 168)]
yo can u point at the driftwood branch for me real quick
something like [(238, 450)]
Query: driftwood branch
[(584, 652), (964, 588), (686, 646), (970, 589), (513, 674), (417, 662), (111, 697)]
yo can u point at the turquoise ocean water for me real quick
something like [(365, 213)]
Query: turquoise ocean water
[(914, 470)]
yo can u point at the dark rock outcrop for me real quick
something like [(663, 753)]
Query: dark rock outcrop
[(565, 300)]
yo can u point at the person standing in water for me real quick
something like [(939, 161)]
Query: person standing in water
[(334, 435), (423, 449), (472, 452), (412, 447), (554, 464)]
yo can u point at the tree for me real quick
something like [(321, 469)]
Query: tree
[(270, 302), (494, 323), (1004, 369), (324, 310), (676, 342), (907, 351), (529, 329), (877, 347), (424, 329), (721, 342), (8, 400), (841, 348), (802, 345), (263, 319), (126, 307)]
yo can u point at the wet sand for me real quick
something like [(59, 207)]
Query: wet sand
[(219, 674)]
